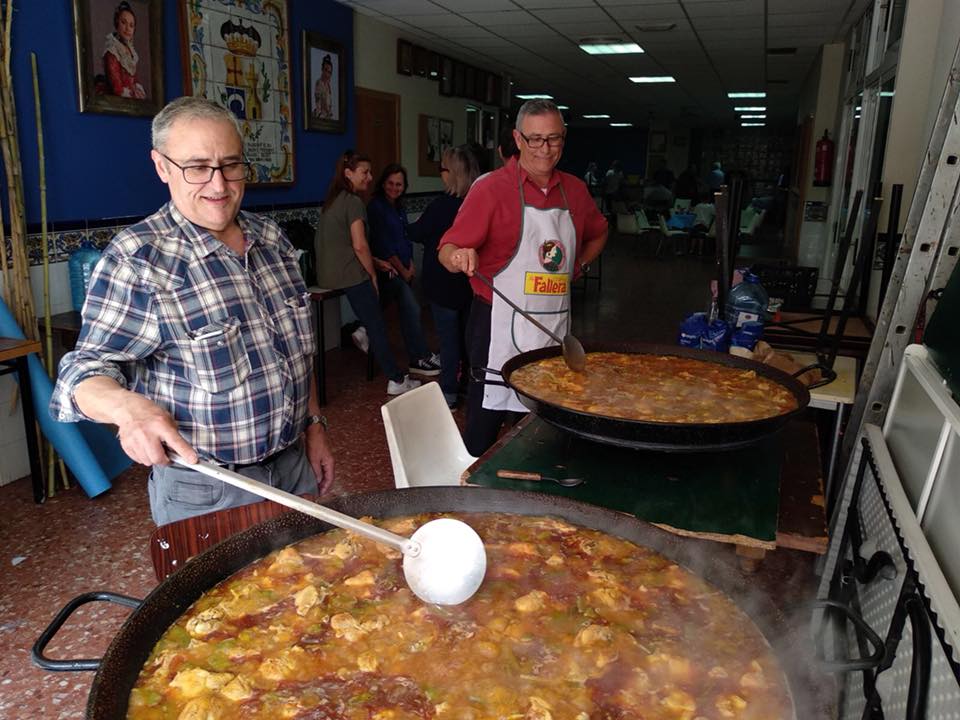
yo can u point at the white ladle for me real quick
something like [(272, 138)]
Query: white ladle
[(443, 561)]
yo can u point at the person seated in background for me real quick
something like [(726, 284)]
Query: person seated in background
[(657, 196), (344, 260), (715, 178), (197, 336), (449, 293), (704, 215), (393, 258)]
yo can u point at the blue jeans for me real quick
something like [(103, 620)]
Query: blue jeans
[(451, 329), (365, 303), (396, 289)]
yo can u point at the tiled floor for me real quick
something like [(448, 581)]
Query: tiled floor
[(70, 545)]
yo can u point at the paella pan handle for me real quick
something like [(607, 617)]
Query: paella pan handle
[(827, 375), (53, 628), (481, 376)]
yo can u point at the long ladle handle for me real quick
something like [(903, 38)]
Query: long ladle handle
[(486, 281), (398, 542)]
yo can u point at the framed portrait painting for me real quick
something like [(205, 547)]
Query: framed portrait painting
[(119, 47), (238, 55), (324, 84)]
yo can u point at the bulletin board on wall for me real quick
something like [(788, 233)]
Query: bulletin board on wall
[(434, 136)]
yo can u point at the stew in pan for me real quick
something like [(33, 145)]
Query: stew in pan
[(570, 624), (655, 388)]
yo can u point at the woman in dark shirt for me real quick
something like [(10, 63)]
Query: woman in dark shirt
[(393, 255), (449, 293)]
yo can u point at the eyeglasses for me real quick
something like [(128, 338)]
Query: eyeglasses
[(537, 141), (202, 174)]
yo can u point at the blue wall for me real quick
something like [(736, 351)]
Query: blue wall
[(98, 166)]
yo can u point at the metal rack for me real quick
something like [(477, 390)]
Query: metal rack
[(889, 618)]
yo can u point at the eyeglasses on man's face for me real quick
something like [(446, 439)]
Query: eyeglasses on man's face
[(537, 141), (202, 174)]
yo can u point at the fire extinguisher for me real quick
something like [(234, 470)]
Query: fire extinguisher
[(823, 161)]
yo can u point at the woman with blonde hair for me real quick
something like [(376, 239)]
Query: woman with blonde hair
[(449, 293)]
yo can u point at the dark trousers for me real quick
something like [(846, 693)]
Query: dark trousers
[(483, 426), (451, 327), (366, 305), (396, 289)]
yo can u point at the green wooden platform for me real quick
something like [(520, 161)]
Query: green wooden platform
[(732, 496)]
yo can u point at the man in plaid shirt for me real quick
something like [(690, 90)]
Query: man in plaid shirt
[(197, 335)]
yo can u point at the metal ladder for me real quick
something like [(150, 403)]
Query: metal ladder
[(926, 258)]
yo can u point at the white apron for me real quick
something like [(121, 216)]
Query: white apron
[(537, 278)]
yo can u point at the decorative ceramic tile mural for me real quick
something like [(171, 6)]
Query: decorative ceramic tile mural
[(239, 56)]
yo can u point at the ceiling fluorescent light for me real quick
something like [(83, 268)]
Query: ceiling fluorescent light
[(563, 107), (653, 79), (535, 96), (753, 117), (887, 93), (621, 124), (752, 124), (597, 117), (732, 95), (609, 47), (750, 108)]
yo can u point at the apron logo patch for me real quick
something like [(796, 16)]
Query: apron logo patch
[(551, 256), (546, 283)]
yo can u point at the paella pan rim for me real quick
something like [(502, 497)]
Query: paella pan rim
[(653, 435), (132, 644)]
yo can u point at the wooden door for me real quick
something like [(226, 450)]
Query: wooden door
[(378, 127)]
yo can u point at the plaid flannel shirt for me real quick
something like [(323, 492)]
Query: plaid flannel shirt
[(224, 343)]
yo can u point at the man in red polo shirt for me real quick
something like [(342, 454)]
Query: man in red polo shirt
[(531, 229)]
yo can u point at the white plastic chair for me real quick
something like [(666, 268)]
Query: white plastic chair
[(425, 443)]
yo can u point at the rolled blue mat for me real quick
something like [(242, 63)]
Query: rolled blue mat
[(91, 451)]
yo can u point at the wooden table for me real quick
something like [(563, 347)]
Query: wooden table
[(13, 358), (758, 498)]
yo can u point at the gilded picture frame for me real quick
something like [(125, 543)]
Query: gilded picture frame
[(119, 56)]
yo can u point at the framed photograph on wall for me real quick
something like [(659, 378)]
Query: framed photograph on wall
[(446, 76), (324, 84), (119, 47), (238, 55), (404, 57)]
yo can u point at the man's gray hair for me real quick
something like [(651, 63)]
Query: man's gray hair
[(187, 108), (536, 107)]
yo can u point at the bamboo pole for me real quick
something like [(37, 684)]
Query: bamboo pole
[(45, 254), (21, 293)]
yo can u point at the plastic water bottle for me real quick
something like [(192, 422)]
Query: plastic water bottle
[(747, 302), (81, 264)]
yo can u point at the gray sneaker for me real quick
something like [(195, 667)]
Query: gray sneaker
[(405, 385)]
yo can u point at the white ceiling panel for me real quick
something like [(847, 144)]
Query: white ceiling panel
[(648, 13), (468, 6), (720, 48), (554, 16), (496, 19)]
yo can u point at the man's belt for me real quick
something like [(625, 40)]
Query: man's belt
[(259, 463)]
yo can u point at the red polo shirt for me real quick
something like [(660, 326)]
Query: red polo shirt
[(489, 219)]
